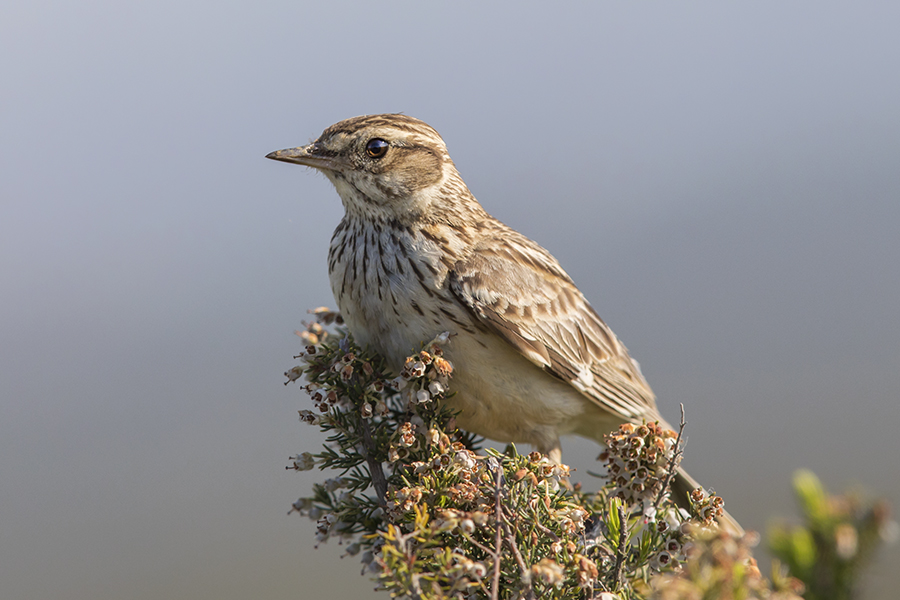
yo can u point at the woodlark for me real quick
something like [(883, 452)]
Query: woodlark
[(416, 255)]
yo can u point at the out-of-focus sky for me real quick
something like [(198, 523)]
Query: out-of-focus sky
[(721, 180)]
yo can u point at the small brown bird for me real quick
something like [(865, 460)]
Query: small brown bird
[(416, 255)]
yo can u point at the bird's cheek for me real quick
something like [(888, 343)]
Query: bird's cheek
[(395, 186)]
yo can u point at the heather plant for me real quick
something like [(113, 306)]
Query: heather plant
[(432, 515), (838, 537)]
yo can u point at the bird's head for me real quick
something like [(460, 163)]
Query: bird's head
[(384, 167)]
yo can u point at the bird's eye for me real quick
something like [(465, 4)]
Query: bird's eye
[(376, 148)]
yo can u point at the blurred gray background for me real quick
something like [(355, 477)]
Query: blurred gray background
[(722, 181)]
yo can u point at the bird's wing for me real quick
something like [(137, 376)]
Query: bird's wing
[(519, 291)]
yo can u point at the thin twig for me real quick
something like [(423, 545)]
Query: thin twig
[(498, 548), (511, 542), (510, 539), (543, 528), (379, 482), (477, 544), (620, 551), (670, 468)]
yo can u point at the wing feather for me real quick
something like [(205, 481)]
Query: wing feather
[(520, 292)]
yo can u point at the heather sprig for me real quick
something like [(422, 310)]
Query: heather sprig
[(837, 539), (435, 516)]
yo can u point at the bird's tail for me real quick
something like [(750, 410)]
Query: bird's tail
[(684, 484)]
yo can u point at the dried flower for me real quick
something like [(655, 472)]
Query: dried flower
[(548, 571)]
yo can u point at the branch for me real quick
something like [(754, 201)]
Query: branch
[(379, 482), (540, 526), (511, 542), (498, 548), (670, 468)]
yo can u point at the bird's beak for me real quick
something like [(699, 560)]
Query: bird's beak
[(312, 155)]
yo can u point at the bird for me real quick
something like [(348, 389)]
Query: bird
[(416, 255)]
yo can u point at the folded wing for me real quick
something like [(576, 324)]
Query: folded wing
[(518, 290)]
